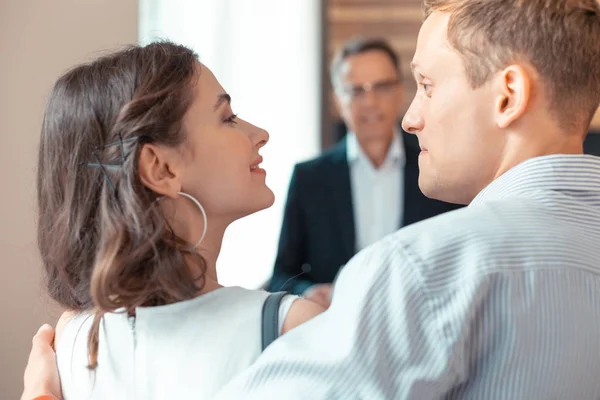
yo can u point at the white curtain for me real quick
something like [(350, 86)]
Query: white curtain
[(266, 54)]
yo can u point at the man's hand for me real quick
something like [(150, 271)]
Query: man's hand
[(41, 374), (320, 294)]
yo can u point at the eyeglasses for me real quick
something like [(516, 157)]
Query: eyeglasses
[(381, 88)]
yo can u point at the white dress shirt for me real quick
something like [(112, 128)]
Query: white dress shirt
[(377, 193), (498, 300)]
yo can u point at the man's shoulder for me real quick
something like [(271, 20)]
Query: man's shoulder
[(330, 157), (485, 232), (435, 251), (454, 223)]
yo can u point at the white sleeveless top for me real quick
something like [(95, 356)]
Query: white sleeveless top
[(190, 349)]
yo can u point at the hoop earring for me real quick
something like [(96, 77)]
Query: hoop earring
[(197, 203)]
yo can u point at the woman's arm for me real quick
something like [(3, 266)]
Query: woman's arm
[(300, 311)]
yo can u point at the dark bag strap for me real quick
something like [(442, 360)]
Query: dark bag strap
[(270, 318)]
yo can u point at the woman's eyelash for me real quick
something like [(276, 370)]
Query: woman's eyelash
[(232, 119)]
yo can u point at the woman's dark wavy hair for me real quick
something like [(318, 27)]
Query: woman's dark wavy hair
[(104, 244)]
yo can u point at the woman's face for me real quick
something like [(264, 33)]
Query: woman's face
[(221, 155)]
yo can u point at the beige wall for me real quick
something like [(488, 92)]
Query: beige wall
[(39, 39)]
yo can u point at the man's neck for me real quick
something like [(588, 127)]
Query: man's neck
[(377, 150), (522, 147)]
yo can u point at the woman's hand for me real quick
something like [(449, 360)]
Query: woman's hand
[(41, 374)]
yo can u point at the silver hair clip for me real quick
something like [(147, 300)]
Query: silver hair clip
[(105, 167)]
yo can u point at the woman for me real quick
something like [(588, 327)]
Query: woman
[(142, 167)]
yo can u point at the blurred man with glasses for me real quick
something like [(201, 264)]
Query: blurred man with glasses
[(361, 190)]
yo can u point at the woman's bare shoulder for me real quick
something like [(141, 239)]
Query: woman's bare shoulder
[(62, 323)]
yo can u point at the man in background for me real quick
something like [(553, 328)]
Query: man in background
[(364, 188)]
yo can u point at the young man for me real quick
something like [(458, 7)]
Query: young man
[(362, 189), (501, 299)]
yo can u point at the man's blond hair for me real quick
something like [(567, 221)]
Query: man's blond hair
[(559, 38)]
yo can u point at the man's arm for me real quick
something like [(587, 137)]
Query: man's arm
[(41, 379), (289, 272), (380, 339)]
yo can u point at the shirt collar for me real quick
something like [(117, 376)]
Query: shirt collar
[(354, 152), (559, 172)]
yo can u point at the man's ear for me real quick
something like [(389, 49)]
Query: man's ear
[(159, 169), (513, 87)]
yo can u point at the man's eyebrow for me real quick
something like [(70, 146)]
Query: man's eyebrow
[(223, 98)]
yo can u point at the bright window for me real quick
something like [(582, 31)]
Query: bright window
[(266, 54)]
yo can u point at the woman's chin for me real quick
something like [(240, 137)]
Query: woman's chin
[(260, 201), (269, 199)]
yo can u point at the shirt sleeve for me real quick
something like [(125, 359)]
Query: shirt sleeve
[(379, 339)]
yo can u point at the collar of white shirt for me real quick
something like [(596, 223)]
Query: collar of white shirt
[(354, 152)]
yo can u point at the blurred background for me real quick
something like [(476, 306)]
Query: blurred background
[(272, 56)]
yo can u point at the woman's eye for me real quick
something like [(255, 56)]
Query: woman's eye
[(232, 119)]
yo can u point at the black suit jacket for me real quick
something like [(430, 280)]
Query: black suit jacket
[(317, 234)]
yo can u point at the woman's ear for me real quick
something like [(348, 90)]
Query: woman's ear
[(160, 169)]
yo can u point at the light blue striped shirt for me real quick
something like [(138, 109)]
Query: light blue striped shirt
[(498, 300)]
